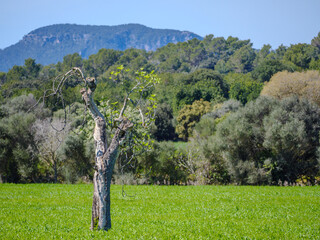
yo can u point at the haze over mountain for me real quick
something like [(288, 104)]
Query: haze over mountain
[(51, 43)]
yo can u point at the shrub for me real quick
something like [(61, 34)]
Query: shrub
[(270, 140), (302, 84), (189, 115)]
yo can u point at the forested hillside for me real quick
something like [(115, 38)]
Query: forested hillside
[(227, 114), (51, 43)]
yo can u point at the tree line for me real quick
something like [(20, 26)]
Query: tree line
[(227, 113)]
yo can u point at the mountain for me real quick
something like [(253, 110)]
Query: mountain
[(51, 43)]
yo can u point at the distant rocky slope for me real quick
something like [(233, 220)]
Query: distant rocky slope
[(50, 44)]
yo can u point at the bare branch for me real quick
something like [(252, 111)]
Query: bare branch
[(142, 117), (57, 91), (123, 108)]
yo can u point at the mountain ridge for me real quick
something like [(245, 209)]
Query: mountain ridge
[(49, 44)]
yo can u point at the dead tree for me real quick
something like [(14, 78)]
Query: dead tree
[(106, 156), (105, 159)]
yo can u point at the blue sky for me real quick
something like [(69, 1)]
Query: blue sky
[(271, 22)]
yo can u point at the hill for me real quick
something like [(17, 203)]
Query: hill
[(51, 43)]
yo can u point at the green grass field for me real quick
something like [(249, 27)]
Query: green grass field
[(49, 211)]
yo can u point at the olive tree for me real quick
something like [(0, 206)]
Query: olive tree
[(49, 137), (137, 86), (270, 140), (18, 149)]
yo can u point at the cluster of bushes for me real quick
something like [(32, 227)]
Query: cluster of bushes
[(267, 141), (37, 146), (227, 113)]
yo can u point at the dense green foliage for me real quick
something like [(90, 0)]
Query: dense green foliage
[(269, 141), (189, 115), (233, 136), (167, 212), (163, 129)]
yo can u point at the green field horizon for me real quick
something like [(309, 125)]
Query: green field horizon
[(60, 211)]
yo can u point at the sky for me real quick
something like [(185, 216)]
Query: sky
[(273, 22)]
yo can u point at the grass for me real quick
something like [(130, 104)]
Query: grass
[(49, 211), (180, 144)]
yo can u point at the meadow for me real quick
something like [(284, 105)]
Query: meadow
[(56, 211)]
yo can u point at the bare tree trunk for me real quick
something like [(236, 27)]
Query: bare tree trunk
[(104, 160), (106, 156)]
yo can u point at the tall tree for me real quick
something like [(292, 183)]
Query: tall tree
[(316, 41), (242, 60), (138, 87), (301, 54), (266, 69), (71, 60), (32, 69), (16, 73), (262, 55)]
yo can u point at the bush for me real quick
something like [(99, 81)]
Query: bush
[(302, 84), (270, 140), (208, 123), (161, 165), (189, 115)]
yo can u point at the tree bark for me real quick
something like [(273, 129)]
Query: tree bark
[(104, 160), (101, 218)]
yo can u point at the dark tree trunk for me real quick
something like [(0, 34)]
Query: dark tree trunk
[(55, 172)]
